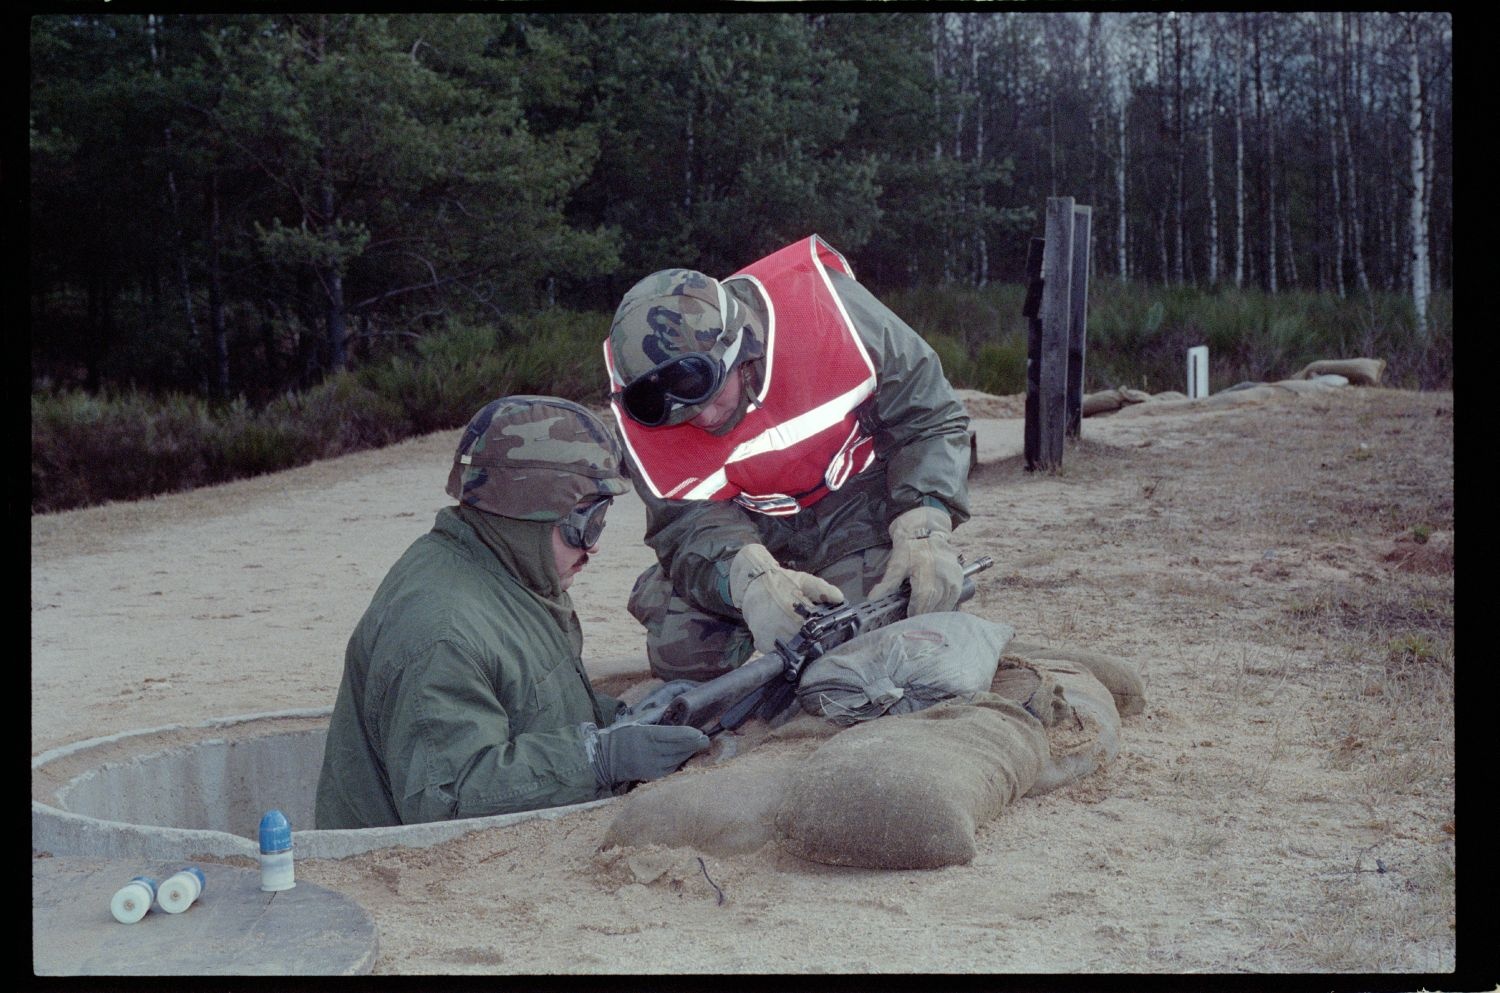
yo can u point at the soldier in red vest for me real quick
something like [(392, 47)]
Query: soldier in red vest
[(795, 442)]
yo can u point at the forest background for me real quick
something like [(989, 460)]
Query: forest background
[(257, 240)]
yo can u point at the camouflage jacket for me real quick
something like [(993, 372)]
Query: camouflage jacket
[(922, 452), (461, 696)]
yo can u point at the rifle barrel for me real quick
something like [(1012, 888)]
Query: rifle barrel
[(704, 703)]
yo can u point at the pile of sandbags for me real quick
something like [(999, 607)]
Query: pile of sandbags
[(910, 789), (909, 792)]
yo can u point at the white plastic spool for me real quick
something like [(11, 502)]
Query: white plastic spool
[(180, 890), (131, 901)]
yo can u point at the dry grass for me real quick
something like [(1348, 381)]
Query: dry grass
[(1321, 681)]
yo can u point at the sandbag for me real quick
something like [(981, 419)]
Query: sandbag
[(1361, 372), (1084, 733), (1107, 401), (719, 810), (909, 791), (724, 800), (904, 667), (1119, 676), (1034, 689)]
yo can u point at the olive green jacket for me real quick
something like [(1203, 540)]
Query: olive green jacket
[(922, 448), (461, 696)]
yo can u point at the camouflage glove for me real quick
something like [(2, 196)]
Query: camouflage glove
[(921, 551), (635, 753), (654, 704), (769, 595)]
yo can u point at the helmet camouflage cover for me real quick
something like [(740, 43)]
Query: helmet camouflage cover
[(673, 312), (535, 458)]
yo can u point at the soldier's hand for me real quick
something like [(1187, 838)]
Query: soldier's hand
[(635, 753), (654, 704), (768, 595), (922, 551)]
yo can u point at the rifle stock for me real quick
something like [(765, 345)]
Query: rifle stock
[(703, 705)]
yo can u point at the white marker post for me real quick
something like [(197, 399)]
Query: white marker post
[(1197, 372)]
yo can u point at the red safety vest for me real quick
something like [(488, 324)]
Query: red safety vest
[(801, 438)]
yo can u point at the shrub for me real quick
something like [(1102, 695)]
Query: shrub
[(93, 449), (957, 365), (559, 353), (452, 374), (125, 446), (1001, 367)]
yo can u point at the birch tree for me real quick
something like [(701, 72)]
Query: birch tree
[(1417, 128), (1209, 126), (1263, 96), (1180, 70), (1116, 91), (1328, 112), (1349, 102)]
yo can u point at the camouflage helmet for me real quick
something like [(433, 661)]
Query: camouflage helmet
[(676, 311), (535, 458)]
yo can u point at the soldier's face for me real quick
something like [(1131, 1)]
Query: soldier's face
[(717, 412), (570, 561)]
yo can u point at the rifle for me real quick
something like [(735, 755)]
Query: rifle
[(766, 683)]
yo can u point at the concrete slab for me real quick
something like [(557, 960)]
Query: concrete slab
[(232, 929)]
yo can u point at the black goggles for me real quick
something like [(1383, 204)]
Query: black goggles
[(585, 523), (684, 381)]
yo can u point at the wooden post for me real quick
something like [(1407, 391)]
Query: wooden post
[(1057, 282), (1032, 311), (1078, 300), (1052, 377)]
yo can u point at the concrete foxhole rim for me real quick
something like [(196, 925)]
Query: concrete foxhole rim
[(56, 830)]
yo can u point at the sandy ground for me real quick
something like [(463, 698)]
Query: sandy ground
[(1279, 566)]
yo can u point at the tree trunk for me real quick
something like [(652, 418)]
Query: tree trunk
[(1290, 253), (1400, 257), (1179, 164), (1208, 155), (1348, 67), (1268, 172), (939, 48), (1419, 270), (1239, 158), (1120, 225), (333, 283), (184, 285), (1329, 106), (1161, 242), (981, 240), (216, 289)]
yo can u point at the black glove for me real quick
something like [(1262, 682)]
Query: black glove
[(636, 753), (653, 704)]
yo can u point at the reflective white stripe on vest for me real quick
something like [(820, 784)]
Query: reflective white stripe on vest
[(775, 505), (785, 435), (841, 467)]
